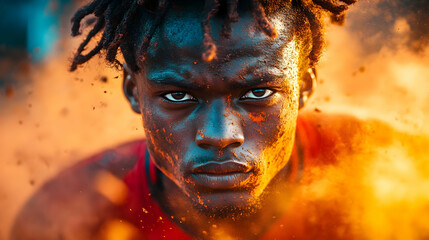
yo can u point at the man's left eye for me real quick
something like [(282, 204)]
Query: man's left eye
[(178, 97), (259, 93)]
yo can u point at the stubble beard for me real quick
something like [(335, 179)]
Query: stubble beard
[(229, 211)]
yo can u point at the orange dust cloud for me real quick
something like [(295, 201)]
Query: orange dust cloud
[(383, 190)]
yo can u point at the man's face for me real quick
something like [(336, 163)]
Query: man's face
[(220, 130)]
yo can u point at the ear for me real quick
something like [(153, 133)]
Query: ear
[(308, 85), (130, 89)]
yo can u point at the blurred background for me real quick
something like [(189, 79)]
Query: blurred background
[(376, 66)]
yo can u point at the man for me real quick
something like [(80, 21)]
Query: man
[(225, 148)]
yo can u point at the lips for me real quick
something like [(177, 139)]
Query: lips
[(221, 175)]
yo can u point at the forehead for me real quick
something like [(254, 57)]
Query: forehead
[(177, 45)]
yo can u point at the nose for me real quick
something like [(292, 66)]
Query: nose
[(220, 128)]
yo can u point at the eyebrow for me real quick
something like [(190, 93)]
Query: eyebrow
[(254, 81), (171, 78), (244, 80), (186, 84)]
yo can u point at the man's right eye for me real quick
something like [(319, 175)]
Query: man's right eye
[(179, 97)]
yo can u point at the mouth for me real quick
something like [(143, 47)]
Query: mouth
[(221, 175)]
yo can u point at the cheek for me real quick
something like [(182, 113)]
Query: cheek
[(274, 137), (266, 126), (169, 135), (163, 145), (277, 154)]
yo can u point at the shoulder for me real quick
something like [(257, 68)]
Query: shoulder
[(348, 158), (75, 203), (344, 128), (118, 160), (330, 135)]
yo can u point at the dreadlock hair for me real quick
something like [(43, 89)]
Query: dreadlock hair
[(115, 16)]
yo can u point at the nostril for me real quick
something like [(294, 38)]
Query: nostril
[(235, 144), (204, 141)]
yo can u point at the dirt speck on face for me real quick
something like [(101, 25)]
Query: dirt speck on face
[(104, 79), (258, 117)]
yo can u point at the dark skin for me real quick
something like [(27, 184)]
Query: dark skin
[(238, 111)]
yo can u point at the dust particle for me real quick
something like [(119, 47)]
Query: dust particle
[(9, 91), (64, 112)]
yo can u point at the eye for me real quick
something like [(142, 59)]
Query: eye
[(178, 97), (259, 93)]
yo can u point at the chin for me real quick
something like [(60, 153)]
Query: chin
[(228, 204)]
